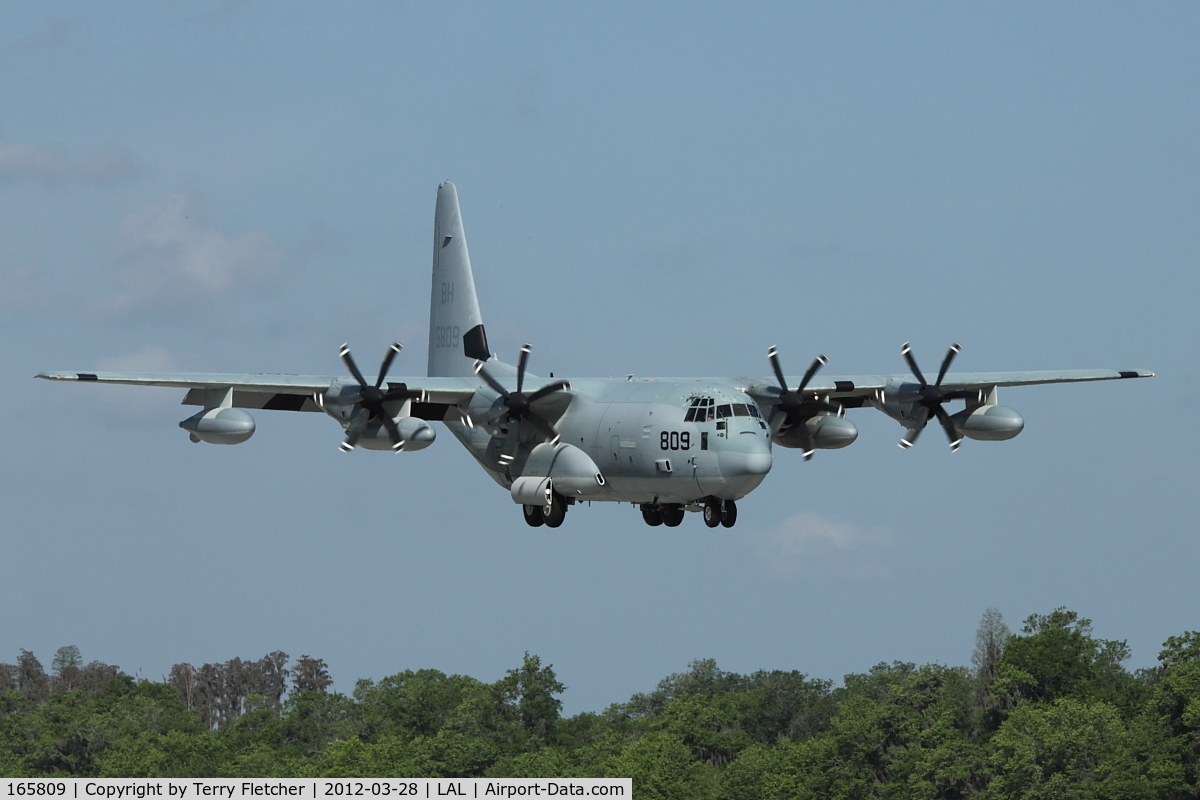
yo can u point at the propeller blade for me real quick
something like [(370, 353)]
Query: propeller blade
[(773, 357), (387, 362), (482, 372), (912, 363), (545, 428), (910, 438), (549, 388), (351, 440), (950, 354), (393, 432), (511, 443), (522, 360), (348, 360), (818, 362), (948, 425), (807, 443), (465, 416)]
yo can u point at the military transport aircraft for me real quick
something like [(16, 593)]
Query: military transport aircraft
[(666, 445)]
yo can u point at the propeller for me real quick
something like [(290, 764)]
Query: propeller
[(518, 406), (932, 398), (793, 403), (372, 398)]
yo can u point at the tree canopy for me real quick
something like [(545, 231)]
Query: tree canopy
[(1050, 712)]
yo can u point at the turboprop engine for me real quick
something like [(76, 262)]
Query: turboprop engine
[(810, 423), (362, 410), (220, 426), (913, 405)]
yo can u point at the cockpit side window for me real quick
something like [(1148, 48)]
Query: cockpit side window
[(700, 410), (754, 411)]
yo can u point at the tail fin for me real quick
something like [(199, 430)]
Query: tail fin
[(456, 335)]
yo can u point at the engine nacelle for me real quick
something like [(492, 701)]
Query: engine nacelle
[(416, 433), (988, 423), (220, 426), (824, 432)]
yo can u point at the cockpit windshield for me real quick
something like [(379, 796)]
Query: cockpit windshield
[(705, 409)]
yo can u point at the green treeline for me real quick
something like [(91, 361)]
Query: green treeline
[(1046, 713)]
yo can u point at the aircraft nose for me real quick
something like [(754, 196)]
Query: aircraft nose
[(743, 464), (744, 470)]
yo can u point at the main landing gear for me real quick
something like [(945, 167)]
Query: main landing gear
[(552, 517), (716, 512)]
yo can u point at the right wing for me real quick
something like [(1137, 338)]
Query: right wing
[(271, 392)]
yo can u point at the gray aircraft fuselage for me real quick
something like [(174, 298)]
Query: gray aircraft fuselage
[(637, 433)]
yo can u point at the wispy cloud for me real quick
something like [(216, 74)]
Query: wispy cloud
[(30, 162), (807, 543), (172, 254)]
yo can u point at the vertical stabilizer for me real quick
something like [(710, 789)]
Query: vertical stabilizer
[(456, 336)]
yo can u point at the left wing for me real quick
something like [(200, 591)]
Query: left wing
[(811, 415), (849, 387)]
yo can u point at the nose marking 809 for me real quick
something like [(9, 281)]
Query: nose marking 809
[(675, 440)]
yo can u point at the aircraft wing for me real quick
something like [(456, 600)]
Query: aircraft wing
[(271, 392), (851, 386)]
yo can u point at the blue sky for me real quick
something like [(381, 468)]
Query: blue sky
[(656, 189)]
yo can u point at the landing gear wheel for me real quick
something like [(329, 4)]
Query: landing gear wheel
[(671, 514), (712, 513), (557, 512), (651, 515), (534, 517), (729, 516)]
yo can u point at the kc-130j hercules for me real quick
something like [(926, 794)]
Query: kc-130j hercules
[(667, 445)]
